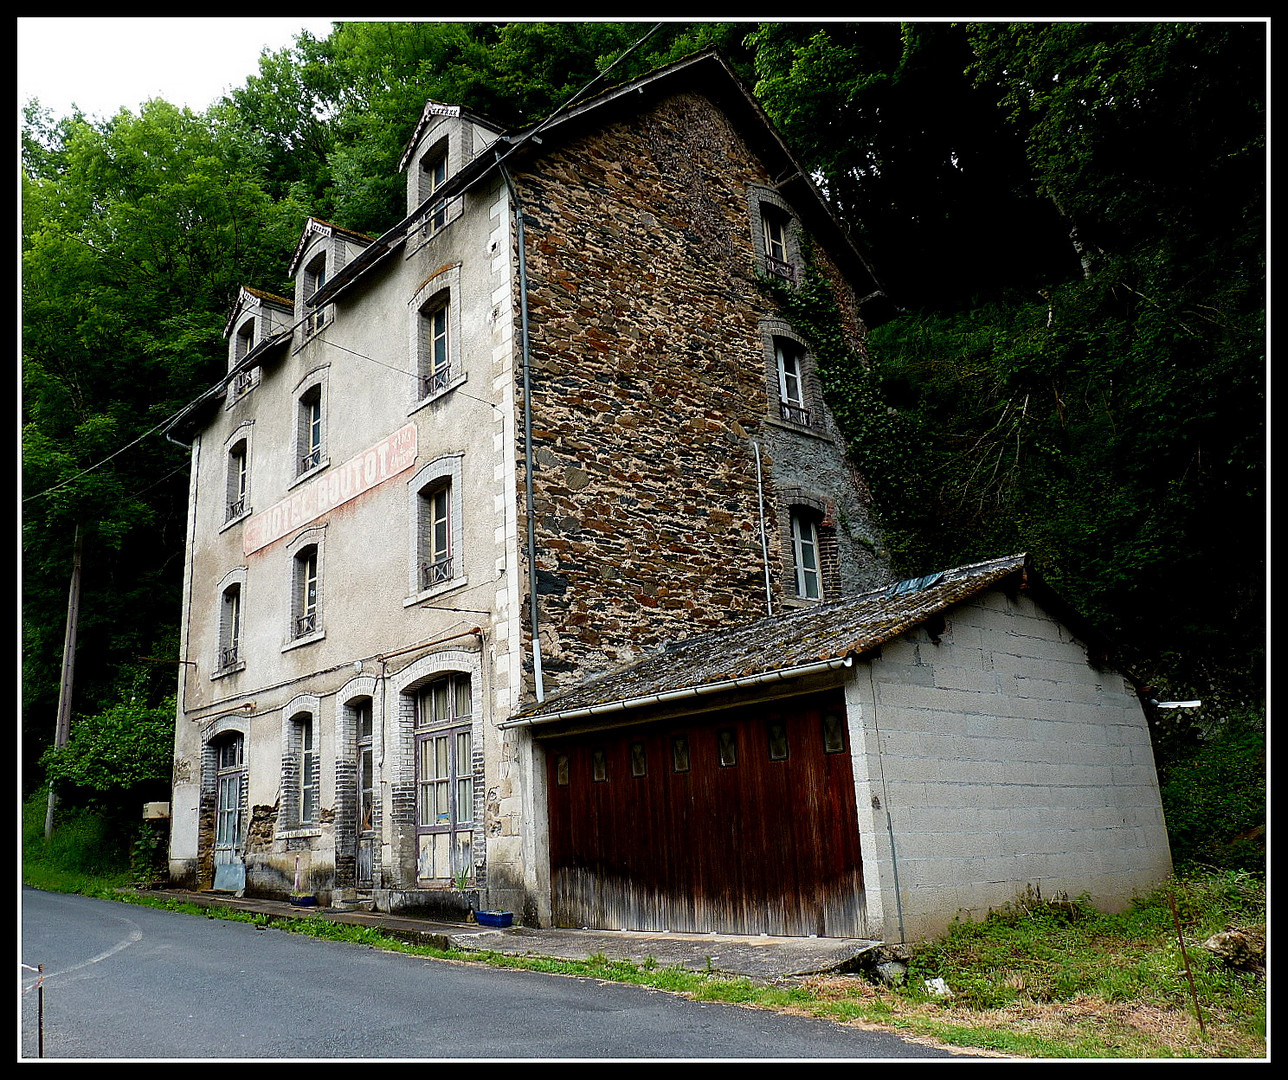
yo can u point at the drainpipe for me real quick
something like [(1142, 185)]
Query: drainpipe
[(527, 432), (764, 543)]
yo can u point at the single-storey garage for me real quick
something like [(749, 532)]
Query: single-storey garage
[(872, 767)]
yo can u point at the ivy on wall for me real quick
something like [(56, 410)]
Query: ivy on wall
[(879, 445)]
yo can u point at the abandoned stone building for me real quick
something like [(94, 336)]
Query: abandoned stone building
[(478, 514)]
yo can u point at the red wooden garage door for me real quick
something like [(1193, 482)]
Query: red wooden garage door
[(739, 822)]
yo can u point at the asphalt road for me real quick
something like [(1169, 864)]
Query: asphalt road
[(127, 982)]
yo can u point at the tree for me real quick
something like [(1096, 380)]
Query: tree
[(117, 758), (136, 234), (1141, 134), (1113, 423), (916, 160), (332, 118)]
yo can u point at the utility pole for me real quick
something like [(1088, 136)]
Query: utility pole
[(63, 723)]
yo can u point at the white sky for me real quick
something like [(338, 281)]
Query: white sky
[(105, 64)]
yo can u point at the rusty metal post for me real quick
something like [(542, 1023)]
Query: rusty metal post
[(1186, 957), (40, 1010)]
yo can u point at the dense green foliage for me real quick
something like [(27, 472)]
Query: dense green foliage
[(916, 160), (86, 853), (1214, 797), (1071, 218), (136, 234), (331, 118), (121, 752)]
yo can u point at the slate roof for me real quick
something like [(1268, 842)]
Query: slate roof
[(797, 639)]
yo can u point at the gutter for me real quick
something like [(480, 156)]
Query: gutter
[(254, 358), (684, 693)]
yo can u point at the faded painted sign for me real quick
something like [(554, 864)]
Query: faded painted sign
[(333, 488)]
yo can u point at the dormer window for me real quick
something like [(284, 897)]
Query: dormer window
[(314, 276), (314, 279), (433, 175), (243, 342), (245, 339), (256, 323)]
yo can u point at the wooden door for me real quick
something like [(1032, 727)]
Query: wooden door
[(740, 822)]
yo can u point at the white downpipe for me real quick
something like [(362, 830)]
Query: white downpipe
[(764, 541), (528, 458)]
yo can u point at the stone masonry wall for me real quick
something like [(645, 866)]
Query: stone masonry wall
[(648, 389)]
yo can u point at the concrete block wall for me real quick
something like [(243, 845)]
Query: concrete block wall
[(995, 760)]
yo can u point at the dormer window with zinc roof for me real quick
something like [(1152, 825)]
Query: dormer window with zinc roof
[(258, 320), (243, 342)]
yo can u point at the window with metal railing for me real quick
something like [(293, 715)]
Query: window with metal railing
[(791, 383), (304, 604), (435, 347), (435, 529), (315, 275), (310, 430), (238, 481), (774, 225), (230, 627)]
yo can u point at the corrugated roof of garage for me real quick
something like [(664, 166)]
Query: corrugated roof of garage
[(850, 626)]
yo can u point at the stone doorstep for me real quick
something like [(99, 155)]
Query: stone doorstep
[(353, 903)]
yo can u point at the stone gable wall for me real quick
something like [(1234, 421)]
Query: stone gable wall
[(649, 391)]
